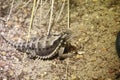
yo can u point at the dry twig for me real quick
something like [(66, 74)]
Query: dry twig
[(31, 20), (61, 10), (51, 17), (38, 2), (50, 21), (10, 10), (68, 14), (26, 4)]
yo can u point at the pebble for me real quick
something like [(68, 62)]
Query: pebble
[(81, 52), (108, 79), (79, 56), (73, 77), (4, 58), (45, 73), (95, 0), (93, 59), (6, 68), (3, 53), (74, 67), (1, 69), (5, 78), (26, 77), (11, 72)]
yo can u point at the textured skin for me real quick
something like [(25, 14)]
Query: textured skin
[(37, 48), (118, 43)]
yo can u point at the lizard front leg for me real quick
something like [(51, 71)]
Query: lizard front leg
[(63, 55)]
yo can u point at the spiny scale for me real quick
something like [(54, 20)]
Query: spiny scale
[(38, 48)]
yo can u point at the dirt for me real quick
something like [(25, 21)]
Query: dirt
[(94, 25)]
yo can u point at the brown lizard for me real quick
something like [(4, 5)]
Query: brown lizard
[(56, 45)]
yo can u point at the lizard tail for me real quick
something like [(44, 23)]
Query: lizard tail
[(7, 41)]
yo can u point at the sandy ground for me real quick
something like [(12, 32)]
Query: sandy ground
[(94, 25)]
